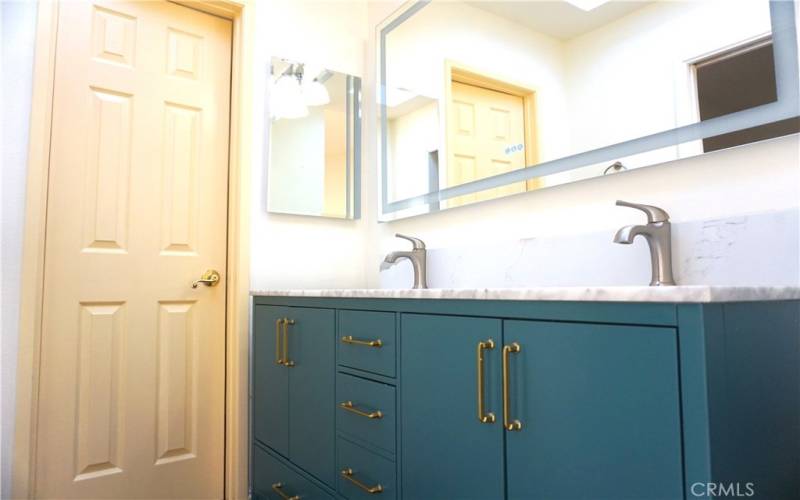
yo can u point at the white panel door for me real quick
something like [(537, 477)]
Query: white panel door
[(131, 402)]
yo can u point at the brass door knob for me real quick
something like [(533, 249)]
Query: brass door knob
[(209, 278)]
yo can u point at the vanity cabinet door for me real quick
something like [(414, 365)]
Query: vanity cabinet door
[(599, 412), (312, 384), (270, 380), (293, 401), (446, 451)]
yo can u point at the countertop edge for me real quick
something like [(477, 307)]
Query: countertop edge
[(678, 294)]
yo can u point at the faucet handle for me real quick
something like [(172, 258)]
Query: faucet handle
[(654, 214), (418, 243)]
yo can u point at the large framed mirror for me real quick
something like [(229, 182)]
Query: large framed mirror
[(314, 141), (484, 99)]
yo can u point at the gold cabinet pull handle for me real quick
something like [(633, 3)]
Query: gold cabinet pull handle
[(510, 425), (347, 473), (278, 488), (278, 358), (369, 343), (483, 417), (288, 363), (348, 405)]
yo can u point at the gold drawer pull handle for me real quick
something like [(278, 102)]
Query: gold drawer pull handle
[(348, 405), (286, 361), (348, 474), (483, 417), (278, 358), (369, 343), (278, 488), (510, 425)]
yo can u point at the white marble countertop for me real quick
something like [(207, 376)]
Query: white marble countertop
[(693, 294)]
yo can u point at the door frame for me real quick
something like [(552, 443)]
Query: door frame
[(237, 320)]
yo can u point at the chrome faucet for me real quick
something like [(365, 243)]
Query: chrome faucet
[(418, 259), (658, 234)]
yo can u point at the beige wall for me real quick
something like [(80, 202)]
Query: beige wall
[(335, 176)]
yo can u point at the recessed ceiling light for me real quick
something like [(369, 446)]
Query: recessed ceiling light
[(587, 5)]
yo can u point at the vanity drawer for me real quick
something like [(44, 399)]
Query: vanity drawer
[(361, 471), (366, 411), (275, 481), (367, 341)]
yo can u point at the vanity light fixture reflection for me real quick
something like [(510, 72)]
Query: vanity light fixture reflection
[(315, 93), (295, 89), (286, 100)]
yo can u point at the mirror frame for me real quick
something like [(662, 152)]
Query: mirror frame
[(787, 79)]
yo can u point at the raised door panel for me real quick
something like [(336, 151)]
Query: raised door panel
[(446, 451), (599, 412), (177, 382), (270, 380), (312, 353), (103, 328)]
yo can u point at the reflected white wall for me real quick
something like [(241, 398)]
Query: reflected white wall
[(297, 164)]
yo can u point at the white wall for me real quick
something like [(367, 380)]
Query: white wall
[(17, 24), (294, 251), (751, 179)]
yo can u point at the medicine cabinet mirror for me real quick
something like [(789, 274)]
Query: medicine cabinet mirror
[(484, 99), (314, 141)]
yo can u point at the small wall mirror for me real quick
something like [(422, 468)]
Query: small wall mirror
[(314, 152), (484, 99)]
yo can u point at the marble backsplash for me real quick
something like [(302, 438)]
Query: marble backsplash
[(748, 250)]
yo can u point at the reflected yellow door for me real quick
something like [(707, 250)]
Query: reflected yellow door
[(131, 401), (486, 137)]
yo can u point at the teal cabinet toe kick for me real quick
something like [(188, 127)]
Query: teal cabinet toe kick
[(467, 399)]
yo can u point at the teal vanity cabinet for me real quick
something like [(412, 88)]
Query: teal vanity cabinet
[(293, 385), (598, 403), (527, 400)]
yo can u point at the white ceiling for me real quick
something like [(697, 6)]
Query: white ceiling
[(558, 18)]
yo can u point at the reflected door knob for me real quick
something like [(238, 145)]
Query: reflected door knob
[(209, 278)]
